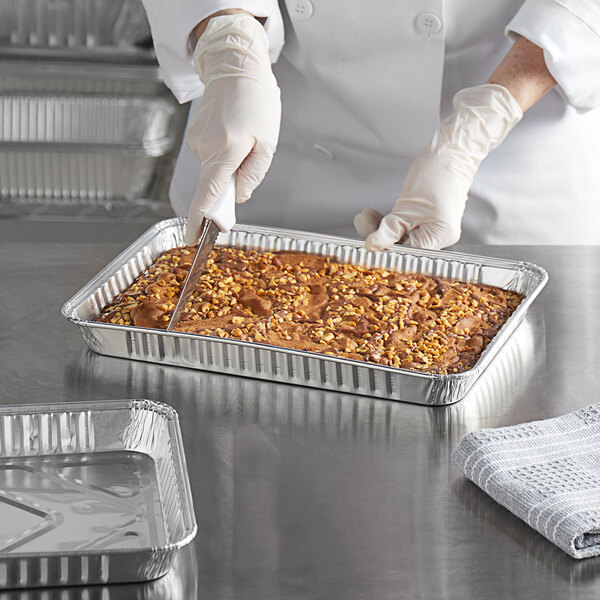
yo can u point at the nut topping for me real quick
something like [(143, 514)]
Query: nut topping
[(312, 303)]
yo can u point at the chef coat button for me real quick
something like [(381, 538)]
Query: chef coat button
[(428, 23), (300, 10), (323, 152)]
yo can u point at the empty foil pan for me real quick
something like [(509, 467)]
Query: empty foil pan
[(91, 492), (251, 359)]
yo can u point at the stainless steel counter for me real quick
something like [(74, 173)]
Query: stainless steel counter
[(307, 494)]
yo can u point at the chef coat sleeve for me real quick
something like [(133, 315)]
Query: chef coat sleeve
[(568, 31), (172, 21)]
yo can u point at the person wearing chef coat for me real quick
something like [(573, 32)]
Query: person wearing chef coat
[(455, 119)]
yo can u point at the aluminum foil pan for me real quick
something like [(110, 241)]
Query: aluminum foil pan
[(34, 175), (139, 123), (180, 583), (86, 140), (87, 211), (52, 76), (73, 24), (85, 149), (250, 359), (91, 492)]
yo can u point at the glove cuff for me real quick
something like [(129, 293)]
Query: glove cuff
[(232, 45), (482, 118), (493, 104)]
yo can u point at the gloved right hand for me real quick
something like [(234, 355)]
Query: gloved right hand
[(236, 126)]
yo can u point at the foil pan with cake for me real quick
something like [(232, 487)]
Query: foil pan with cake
[(403, 324)]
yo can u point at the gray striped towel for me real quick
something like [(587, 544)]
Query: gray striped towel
[(545, 472)]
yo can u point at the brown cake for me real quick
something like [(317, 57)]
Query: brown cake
[(313, 303)]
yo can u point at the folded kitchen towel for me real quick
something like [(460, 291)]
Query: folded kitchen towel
[(545, 472)]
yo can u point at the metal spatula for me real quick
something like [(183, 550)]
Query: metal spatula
[(221, 217)]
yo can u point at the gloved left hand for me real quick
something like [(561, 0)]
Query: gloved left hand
[(429, 210)]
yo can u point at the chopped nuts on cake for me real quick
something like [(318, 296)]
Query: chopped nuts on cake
[(312, 303)]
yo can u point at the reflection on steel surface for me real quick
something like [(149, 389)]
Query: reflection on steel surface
[(308, 411), (489, 520), (272, 363), (258, 447)]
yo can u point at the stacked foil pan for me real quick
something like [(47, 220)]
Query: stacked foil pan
[(87, 128), (29, 25), (261, 361), (81, 149)]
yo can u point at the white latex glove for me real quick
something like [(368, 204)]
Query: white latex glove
[(429, 211), (236, 125)]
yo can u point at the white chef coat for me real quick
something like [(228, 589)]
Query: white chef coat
[(365, 85)]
